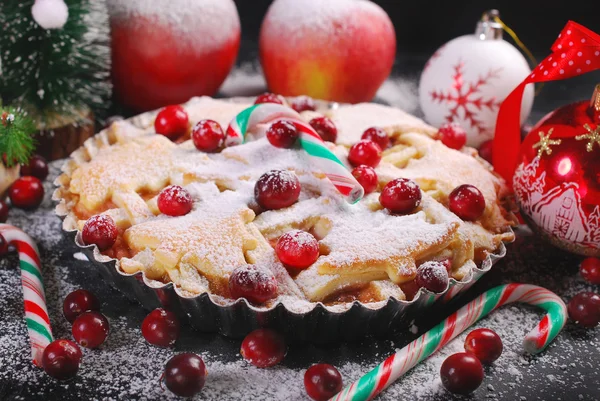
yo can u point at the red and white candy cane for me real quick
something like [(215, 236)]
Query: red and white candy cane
[(374, 382), (323, 158), (36, 313)]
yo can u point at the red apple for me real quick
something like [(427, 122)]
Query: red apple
[(166, 52), (341, 50)]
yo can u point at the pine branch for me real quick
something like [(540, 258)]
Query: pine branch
[(16, 137), (57, 72)]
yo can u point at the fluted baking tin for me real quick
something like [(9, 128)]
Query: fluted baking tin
[(318, 323)]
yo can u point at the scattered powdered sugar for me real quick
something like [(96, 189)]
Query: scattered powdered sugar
[(381, 236), (127, 368), (206, 24), (80, 256)]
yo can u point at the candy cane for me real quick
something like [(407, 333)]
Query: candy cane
[(254, 115), (36, 314), (310, 141), (374, 382)]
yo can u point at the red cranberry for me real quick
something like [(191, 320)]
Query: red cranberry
[(366, 153), (377, 135), (467, 202), (100, 230), (400, 196), (297, 249), (268, 98), (304, 103), (325, 128), (277, 189), (61, 359), (589, 269), (486, 149), (90, 329), (461, 373), (172, 122), (254, 283), (185, 374), (366, 177), (322, 381), (161, 328), (584, 309), (208, 135), (26, 192), (37, 167), (3, 212), (432, 276), (282, 134), (453, 136), (263, 348), (485, 344), (77, 302), (174, 201)]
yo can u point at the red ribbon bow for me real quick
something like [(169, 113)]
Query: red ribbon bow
[(575, 52)]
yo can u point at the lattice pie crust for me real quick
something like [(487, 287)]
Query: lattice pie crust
[(367, 254)]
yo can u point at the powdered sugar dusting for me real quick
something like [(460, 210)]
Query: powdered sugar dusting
[(359, 243), (315, 18), (353, 120), (127, 368), (206, 24), (80, 256)]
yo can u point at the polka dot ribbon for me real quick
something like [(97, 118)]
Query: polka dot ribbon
[(377, 380), (575, 52), (318, 152), (34, 297)]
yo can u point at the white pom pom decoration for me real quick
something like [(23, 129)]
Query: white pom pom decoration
[(50, 14)]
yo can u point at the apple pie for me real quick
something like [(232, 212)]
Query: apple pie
[(217, 234)]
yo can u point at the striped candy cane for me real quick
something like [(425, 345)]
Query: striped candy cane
[(36, 314), (374, 382), (320, 155), (258, 114)]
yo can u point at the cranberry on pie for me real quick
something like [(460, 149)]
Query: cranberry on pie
[(233, 204)]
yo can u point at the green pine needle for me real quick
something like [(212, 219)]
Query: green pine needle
[(16, 136), (54, 73)]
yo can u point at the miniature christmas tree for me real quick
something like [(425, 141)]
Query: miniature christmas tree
[(58, 75)]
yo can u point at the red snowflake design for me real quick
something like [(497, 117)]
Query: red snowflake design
[(466, 96)]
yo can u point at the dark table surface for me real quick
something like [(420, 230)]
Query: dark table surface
[(125, 367)]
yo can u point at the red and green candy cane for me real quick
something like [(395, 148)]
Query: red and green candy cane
[(321, 156), (36, 313), (374, 382)]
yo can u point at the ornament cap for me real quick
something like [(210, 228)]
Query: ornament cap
[(595, 104), (488, 28)]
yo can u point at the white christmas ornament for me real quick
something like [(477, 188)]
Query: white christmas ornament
[(50, 14), (466, 80)]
